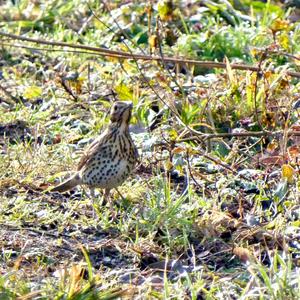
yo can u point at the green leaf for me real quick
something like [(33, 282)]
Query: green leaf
[(281, 190)]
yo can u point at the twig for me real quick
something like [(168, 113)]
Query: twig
[(222, 164), (191, 174), (125, 55), (85, 24), (207, 136), (68, 89), (263, 57), (163, 57), (48, 49)]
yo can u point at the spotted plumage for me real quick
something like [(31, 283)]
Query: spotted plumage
[(110, 159)]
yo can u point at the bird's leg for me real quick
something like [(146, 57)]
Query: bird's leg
[(94, 205), (92, 193), (110, 203), (120, 194)]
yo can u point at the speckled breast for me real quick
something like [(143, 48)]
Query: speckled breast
[(111, 164)]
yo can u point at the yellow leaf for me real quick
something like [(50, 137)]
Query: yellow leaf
[(165, 9), (283, 84), (230, 72), (296, 223), (168, 165), (76, 274), (173, 134), (279, 24), (114, 60), (254, 52), (123, 47), (272, 146), (153, 42), (284, 40), (288, 204), (124, 92), (32, 92), (287, 173), (129, 67), (268, 74)]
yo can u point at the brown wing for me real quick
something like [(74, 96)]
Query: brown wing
[(88, 154), (93, 148)]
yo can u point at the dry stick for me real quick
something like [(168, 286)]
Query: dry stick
[(238, 134), (125, 55), (163, 58), (191, 174), (62, 44), (284, 54), (47, 49), (286, 130), (222, 164), (263, 57), (68, 89)]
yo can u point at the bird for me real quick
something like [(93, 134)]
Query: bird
[(110, 159)]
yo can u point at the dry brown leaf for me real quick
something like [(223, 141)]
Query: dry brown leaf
[(243, 254)]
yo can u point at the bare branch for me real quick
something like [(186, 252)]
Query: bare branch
[(125, 55)]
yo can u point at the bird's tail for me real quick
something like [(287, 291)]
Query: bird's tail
[(68, 184)]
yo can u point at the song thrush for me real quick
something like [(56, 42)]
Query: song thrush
[(110, 159)]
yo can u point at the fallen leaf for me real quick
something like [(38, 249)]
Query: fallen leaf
[(242, 253), (288, 173)]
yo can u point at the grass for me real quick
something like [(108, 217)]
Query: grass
[(201, 218)]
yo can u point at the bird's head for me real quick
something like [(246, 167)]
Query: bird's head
[(121, 113)]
